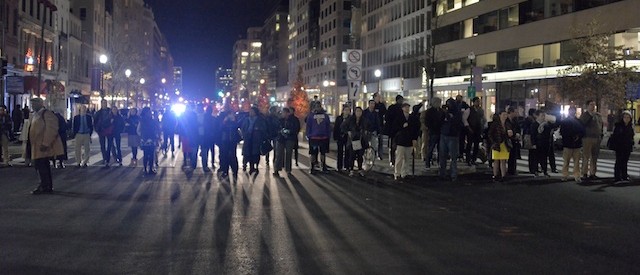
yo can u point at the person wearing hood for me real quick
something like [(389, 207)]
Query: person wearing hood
[(622, 144)]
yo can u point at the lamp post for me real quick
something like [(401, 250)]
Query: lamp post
[(471, 90), (378, 73), (103, 60), (127, 73), (142, 81)]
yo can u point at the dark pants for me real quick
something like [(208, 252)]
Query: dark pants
[(44, 170), (284, 155), (392, 150), (620, 168), (551, 154), (228, 157), (105, 147), (514, 155), (473, 146), (343, 156), (533, 162), (134, 152), (149, 157), (168, 139), (434, 141), (462, 143), (115, 141), (203, 145), (356, 156), (212, 151), (542, 154)]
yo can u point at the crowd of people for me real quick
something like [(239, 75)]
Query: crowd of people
[(442, 135)]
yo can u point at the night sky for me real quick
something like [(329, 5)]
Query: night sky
[(201, 34)]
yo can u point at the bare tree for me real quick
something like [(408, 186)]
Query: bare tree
[(124, 54)]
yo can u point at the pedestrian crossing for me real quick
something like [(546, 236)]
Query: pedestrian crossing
[(605, 166)]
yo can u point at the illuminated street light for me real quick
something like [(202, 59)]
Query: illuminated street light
[(325, 83), (164, 80), (262, 81), (377, 73), (127, 73), (103, 59), (142, 81)]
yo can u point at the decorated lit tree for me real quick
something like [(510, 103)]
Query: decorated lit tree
[(298, 98), (263, 98)]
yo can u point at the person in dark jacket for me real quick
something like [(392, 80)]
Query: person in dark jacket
[(433, 119), (133, 139), (228, 143), (393, 113), (149, 132), (513, 124), (285, 141), (474, 121), (381, 111), (254, 132), (356, 128), (319, 134), (406, 128), (5, 134), (527, 143), (541, 138), (622, 144), (103, 123), (572, 131), (82, 130), (17, 117), (62, 132), (169, 124), (116, 135), (341, 138), (449, 139)]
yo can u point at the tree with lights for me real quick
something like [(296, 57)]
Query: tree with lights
[(263, 98), (298, 98)]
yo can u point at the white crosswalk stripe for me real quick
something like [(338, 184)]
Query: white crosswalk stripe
[(605, 166)]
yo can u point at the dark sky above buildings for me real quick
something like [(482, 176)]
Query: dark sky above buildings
[(201, 34)]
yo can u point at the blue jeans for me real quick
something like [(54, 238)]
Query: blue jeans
[(449, 147)]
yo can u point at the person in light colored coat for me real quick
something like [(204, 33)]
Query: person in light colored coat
[(44, 143)]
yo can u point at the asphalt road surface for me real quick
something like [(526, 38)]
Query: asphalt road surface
[(115, 221)]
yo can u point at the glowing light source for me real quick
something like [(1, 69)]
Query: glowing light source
[(103, 59), (178, 108), (127, 73), (220, 94)]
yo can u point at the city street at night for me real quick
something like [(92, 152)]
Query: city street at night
[(114, 220)]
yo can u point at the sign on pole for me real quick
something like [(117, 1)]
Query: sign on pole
[(354, 73), (354, 90)]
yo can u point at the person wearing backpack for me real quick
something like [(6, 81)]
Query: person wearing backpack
[(44, 143)]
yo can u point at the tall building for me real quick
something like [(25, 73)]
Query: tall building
[(394, 43), (319, 32), (247, 71), (521, 46), (275, 49), (224, 81)]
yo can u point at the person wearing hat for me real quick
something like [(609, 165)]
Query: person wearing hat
[(44, 143), (622, 143)]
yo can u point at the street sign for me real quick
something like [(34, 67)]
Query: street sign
[(15, 84), (354, 90), (354, 57), (354, 73), (471, 92)]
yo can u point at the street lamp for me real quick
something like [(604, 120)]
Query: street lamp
[(472, 57), (127, 73), (142, 81), (103, 60)]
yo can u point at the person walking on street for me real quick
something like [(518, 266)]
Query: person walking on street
[(59, 160), (288, 134), (44, 143), (527, 141), (133, 139), (622, 144), (229, 139), (273, 128), (513, 124), (104, 128), (381, 111), (18, 118), (433, 119), (474, 120), (169, 124), (406, 129), (5, 134), (254, 133), (572, 131), (116, 135), (393, 113), (204, 120), (149, 132), (343, 154), (449, 140), (319, 134), (541, 138), (375, 124), (82, 130), (356, 128), (592, 121), (499, 135)]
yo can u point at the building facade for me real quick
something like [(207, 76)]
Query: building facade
[(275, 49)]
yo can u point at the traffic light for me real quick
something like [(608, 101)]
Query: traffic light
[(4, 66)]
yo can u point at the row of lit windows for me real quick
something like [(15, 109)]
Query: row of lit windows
[(406, 50), (391, 13)]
